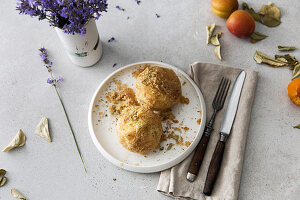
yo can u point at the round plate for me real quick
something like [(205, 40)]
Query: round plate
[(102, 125)]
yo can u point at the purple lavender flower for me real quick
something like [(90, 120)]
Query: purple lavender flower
[(59, 79), (138, 2), (43, 56), (111, 39), (49, 80), (69, 15), (119, 8)]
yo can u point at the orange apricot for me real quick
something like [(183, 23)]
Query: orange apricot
[(223, 8), (294, 91), (241, 24)]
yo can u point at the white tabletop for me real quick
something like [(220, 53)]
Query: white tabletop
[(42, 170)]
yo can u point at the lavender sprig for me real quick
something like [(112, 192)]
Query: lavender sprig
[(111, 39), (119, 8), (137, 2), (54, 81), (69, 15)]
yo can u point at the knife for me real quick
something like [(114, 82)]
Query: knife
[(225, 129)]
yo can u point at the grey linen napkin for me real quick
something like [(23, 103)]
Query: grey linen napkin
[(173, 181)]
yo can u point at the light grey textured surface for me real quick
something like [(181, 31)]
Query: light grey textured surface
[(42, 170)]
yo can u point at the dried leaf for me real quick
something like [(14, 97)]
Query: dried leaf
[(18, 141), (286, 48), (15, 193), (256, 36), (215, 39), (218, 52), (296, 71), (42, 129), (209, 31), (252, 12), (298, 126), (261, 58), (270, 10)]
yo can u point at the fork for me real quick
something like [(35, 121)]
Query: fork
[(217, 105)]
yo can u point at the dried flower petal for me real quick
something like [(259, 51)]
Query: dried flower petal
[(296, 71), (298, 126), (18, 141), (271, 10), (271, 14), (3, 181), (2, 177), (42, 129), (15, 193), (286, 48), (270, 21), (218, 52), (292, 61), (261, 58), (209, 31), (215, 39), (256, 36)]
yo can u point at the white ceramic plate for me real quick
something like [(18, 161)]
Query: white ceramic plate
[(102, 125)]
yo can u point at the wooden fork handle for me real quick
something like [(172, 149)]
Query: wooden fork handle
[(214, 168), (199, 155)]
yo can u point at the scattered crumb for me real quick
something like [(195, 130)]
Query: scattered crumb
[(186, 128), (170, 146), (96, 106), (177, 129), (184, 83), (136, 164), (121, 164), (187, 143), (199, 121), (167, 114), (114, 179), (184, 100), (180, 141)]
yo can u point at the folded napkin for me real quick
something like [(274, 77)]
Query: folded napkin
[(173, 181)]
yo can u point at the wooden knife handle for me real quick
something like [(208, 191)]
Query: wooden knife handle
[(199, 155), (214, 168)]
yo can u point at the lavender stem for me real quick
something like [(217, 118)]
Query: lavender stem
[(62, 104)]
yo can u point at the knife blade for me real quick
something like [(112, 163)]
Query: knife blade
[(225, 130), (233, 101)]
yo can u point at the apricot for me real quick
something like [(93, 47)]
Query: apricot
[(294, 91), (241, 24), (223, 8)]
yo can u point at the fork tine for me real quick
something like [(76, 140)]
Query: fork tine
[(221, 91), (218, 91), (225, 92)]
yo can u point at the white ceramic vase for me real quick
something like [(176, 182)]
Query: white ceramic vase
[(84, 50)]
